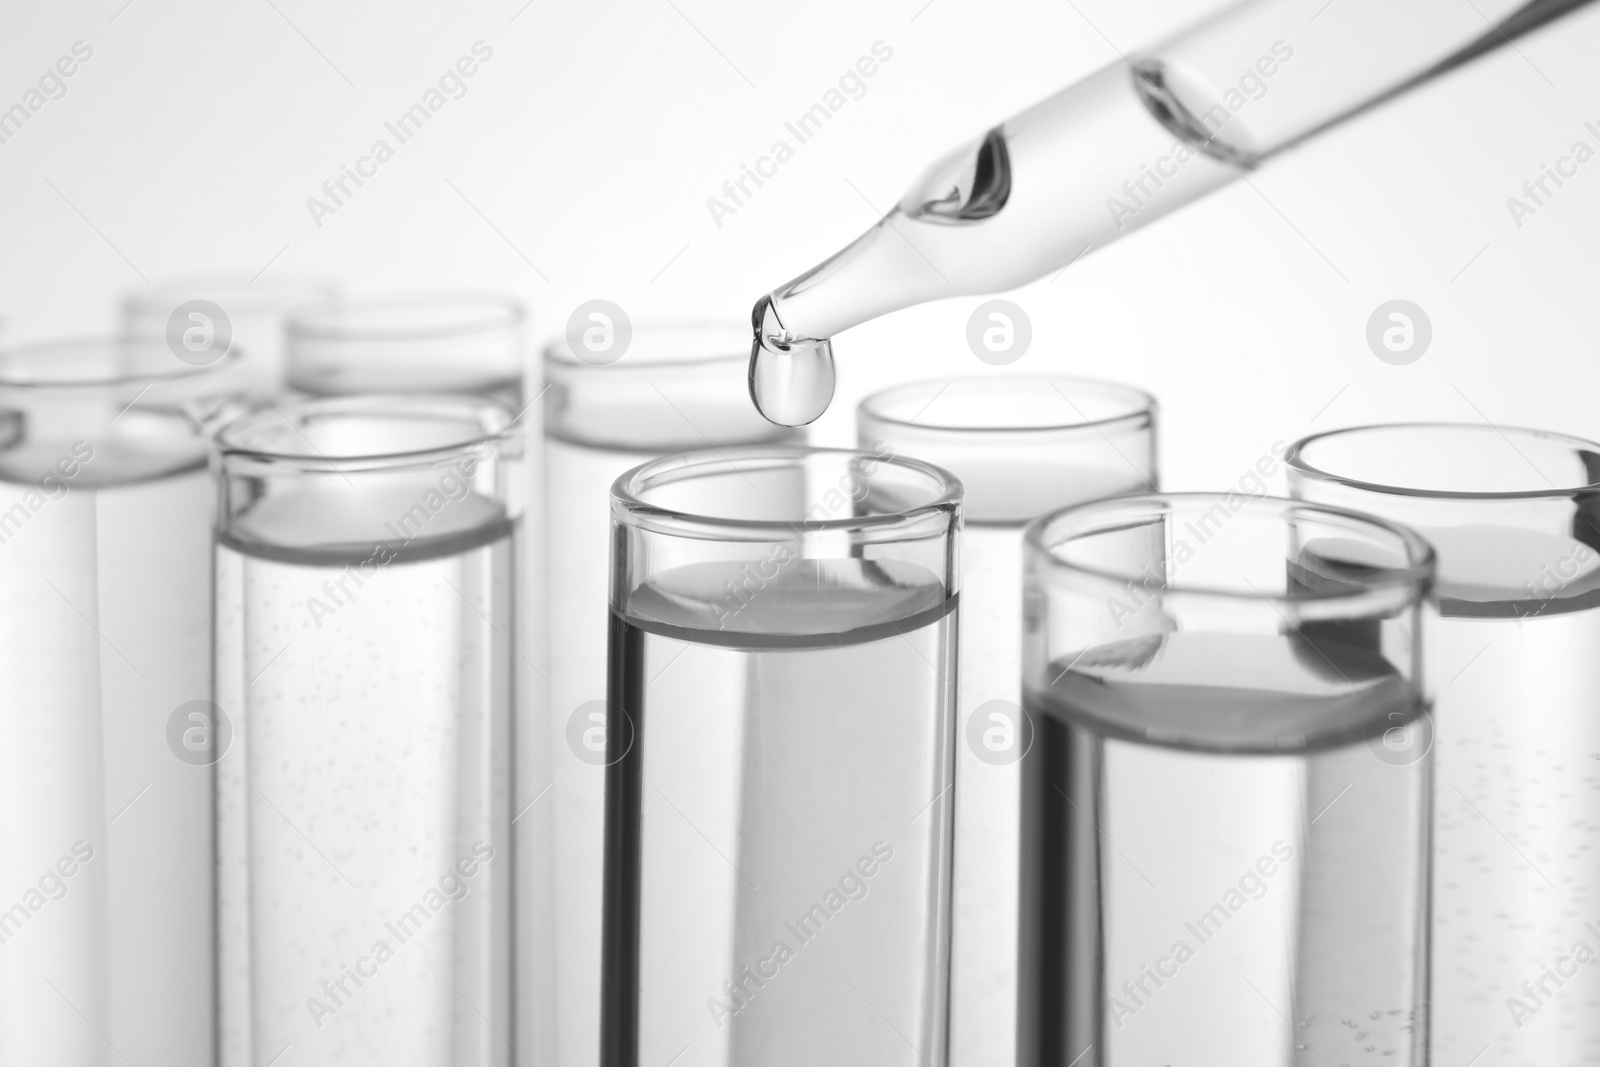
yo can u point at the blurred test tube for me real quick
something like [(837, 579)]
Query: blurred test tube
[(107, 736), (248, 313)]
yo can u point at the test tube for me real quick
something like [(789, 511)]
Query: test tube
[(423, 343), (470, 344), (780, 756), (1225, 838), (1022, 446), (675, 386), (1512, 513), (207, 312), (366, 656), (106, 855)]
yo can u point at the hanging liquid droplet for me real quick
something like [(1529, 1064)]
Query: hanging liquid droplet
[(792, 386), (791, 379)]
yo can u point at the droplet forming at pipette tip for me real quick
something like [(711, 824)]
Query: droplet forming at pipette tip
[(791, 378)]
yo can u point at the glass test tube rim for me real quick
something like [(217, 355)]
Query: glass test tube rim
[(638, 356), (113, 344), (939, 512), (497, 427), (1414, 580), (237, 293), (1142, 407), (1297, 462), (498, 311)]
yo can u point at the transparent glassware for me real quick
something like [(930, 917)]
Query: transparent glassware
[(449, 343), (253, 312), (106, 855), (1513, 516), (1021, 446), (779, 759), (1225, 806), (678, 386), (373, 906), (473, 343), (1125, 146)]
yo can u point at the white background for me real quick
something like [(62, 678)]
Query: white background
[(588, 145)]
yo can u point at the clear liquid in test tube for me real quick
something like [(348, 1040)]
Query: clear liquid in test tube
[(777, 804), (366, 643), (1516, 738), (462, 343), (1022, 446), (1225, 852), (107, 740)]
